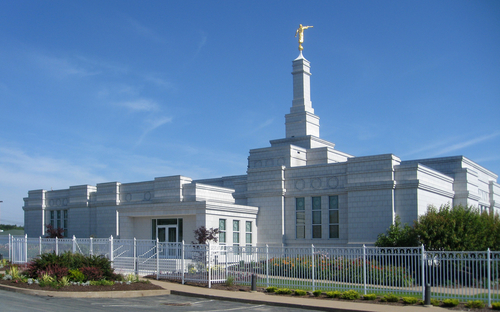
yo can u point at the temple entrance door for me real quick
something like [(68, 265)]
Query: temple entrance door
[(167, 234)]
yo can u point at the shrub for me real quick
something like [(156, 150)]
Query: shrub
[(45, 263), (56, 271), (76, 276), (317, 293), (476, 304), (300, 292), (390, 298), (495, 305), (334, 294), (283, 291), (102, 282), (64, 281), (92, 273), (350, 295), (435, 302), (410, 300), (230, 281), (14, 272), (370, 297), (133, 278), (450, 302), (271, 289)]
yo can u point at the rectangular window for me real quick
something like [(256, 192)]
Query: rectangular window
[(236, 242), (65, 222), (52, 218), (236, 237), (248, 234), (300, 217), (316, 217), (333, 212), (222, 231), (236, 226)]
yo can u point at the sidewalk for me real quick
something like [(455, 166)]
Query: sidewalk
[(286, 301)]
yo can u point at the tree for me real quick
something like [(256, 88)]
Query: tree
[(204, 235), (448, 228), (458, 228), (398, 236), (53, 232)]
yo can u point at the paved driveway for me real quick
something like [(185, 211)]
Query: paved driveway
[(15, 302)]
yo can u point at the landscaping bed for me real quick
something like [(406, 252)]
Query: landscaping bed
[(89, 288), (462, 306)]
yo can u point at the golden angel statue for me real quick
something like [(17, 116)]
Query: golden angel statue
[(300, 31)]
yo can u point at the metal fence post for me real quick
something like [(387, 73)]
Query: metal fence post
[(10, 248), (209, 273), (57, 246), (157, 259), (111, 250), (489, 277), (312, 274), (364, 267), (135, 257), (423, 256), (74, 244), (39, 245), (25, 248), (91, 246), (267, 265), (182, 263)]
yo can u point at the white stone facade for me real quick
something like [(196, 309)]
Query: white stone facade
[(298, 191)]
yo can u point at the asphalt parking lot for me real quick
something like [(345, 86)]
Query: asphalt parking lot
[(15, 302)]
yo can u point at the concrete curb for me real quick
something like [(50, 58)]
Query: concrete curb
[(87, 294), (266, 302)]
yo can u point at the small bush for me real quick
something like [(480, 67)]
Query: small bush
[(495, 305), (133, 278), (435, 302), (300, 292), (271, 289), (64, 281), (283, 291), (370, 297), (14, 272), (476, 304), (230, 281), (317, 293), (410, 300), (76, 276), (102, 282), (390, 298), (334, 294), (350, 295), (92, 273), (450, 302)]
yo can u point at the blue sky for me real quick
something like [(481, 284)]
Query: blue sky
[(99, 91)]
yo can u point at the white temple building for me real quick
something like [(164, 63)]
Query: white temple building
[(298, 191)]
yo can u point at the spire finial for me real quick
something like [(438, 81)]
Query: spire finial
[(300, 32)]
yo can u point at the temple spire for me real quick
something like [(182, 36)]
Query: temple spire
[(301, 121)]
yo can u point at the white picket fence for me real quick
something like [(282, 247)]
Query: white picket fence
[(401, 271)]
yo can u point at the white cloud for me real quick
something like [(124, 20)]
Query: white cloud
[(465, 144), (64, 67), (152, 124), (144, 31), (143, 105)]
